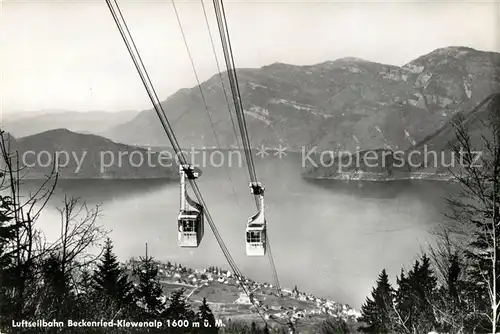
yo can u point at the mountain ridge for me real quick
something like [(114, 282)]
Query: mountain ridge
[(87, 156), (349, 103), (30, 123)]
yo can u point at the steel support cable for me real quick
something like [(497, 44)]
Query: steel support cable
[(147, 83), (225, 39), (223, 29), (163, 119), (236, 84), (156, 104), (234, 268), (216, 137), (159, 109), (271, 259), (220, 75), (165, 123), (145, 79), (235, 94)]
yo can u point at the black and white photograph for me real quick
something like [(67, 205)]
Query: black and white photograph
[(249, 166)]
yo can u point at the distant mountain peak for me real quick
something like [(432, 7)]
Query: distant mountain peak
[(345, 103), (22, 125), (278, 65), (352, 60), (85, 157), (59, 130), (454, 48), (453, 53)]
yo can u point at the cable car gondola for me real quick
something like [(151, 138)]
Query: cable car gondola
[(191, 219), (256, 225)]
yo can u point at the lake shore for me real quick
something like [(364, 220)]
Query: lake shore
[(379, 177)]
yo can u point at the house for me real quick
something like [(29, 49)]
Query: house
[(243, 299)]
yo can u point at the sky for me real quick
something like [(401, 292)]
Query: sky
[(69, 54)]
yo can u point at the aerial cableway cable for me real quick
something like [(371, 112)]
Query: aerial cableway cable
[(235, 93), (220, 75), (216, 137), (150, 89), (233, 79), (226, 44), (271, 260), (125, 33)]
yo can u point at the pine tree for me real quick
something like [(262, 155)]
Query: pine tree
[(111, 282), (86, 295), (253, 328), (377, 311), (149, 292), (296, 291), (6, 229), (425, 288), (415, 298), (58, 300), (85, 283), (177, 308), (6, 235), (206, 318), (480, 272)]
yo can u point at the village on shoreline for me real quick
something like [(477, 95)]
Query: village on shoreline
[(228, 301)]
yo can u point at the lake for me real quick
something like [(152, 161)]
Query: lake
[(331, 238)]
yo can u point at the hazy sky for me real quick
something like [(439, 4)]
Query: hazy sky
[(69, 54)]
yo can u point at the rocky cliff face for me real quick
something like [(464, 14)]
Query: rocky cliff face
[(347, 104)]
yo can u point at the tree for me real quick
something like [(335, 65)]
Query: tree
[(7, 234), (58, 300), (244, 328), (475, 210), (295, 291), (206, 318), (333, 326), (21, 244), (415, 298), (67, 256), (36, 276), (149, 292), (378, 310), (112, 284), (454, 311), (179, 310)]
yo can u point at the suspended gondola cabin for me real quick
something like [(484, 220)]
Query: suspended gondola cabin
[(256, 226), (191, 218)]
